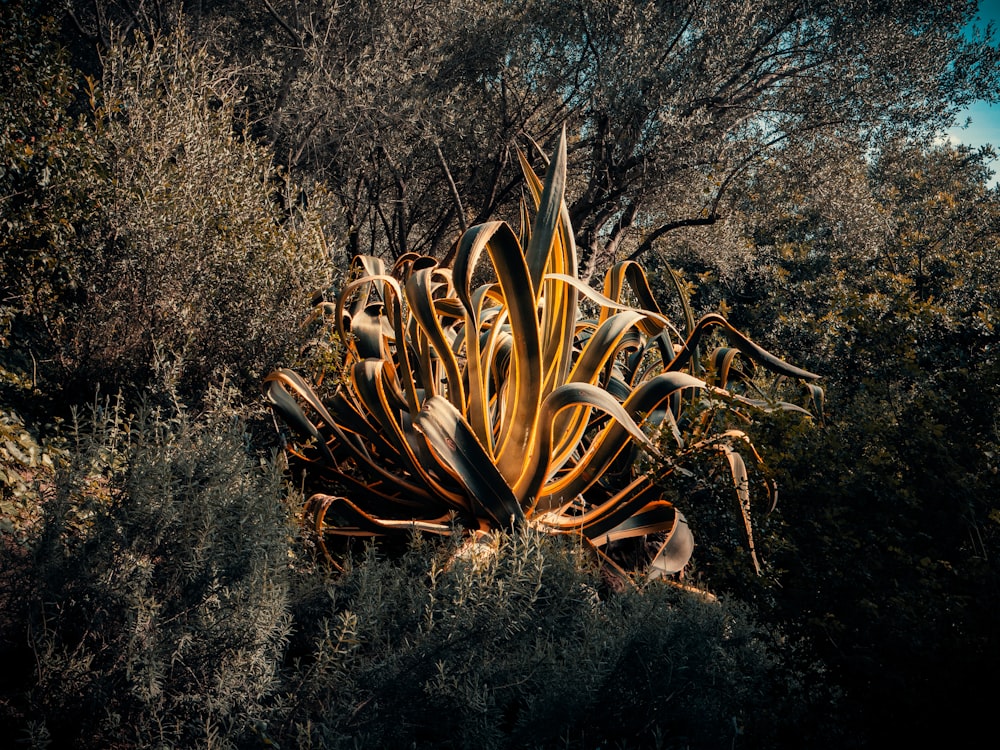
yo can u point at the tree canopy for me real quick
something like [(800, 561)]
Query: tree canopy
[(411, 111)]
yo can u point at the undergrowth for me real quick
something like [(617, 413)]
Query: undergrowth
[(168, 597)]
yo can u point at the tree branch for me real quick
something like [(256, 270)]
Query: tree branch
[(454, 190), (284, 24), (700, 221)]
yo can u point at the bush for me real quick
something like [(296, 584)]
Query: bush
[(154, 230), (510, 645), (155, 601), (166, 603), (50, 180), (200, 261)]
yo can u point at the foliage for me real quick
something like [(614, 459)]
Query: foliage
[(503, 404), (166, 603), (197, 247), (50, 173), (889, 546), (411, 113), (750, 146), (514, 647), (159, 235), (155, 594)]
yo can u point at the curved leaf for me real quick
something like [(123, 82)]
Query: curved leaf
[(454, 443), (741, 342), (676, 551)]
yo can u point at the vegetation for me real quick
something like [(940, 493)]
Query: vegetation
[(151, 229), (168, 601), (181, 183), (471, 405)]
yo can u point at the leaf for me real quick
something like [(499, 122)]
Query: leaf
[(455, 445), (741, 480), (420, 298), (676, 551), (741, 342), (545, 229)]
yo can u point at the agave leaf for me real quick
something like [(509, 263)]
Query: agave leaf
[(551, 248), (289, 410), (597, 353), (741, 480), (676, 551), (602, 346), (545, 228), (606, 302), (358, 522), (816, 397), (391, 294), (535, 187), (523, 383), (652, 518), (384, 500), (722, 362), (662, 388), (611, 440), (614, 286), (764, 405), (603, 516), (371, 384), (685, 300), (291, 379), (355, 447), (371, 266), (456, 447), (420, 298), (741, 342), (477, 367), (540, 465), (474, 241)]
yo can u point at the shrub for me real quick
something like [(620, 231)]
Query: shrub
[(154, 230), (505, 403), (157, 591), (166, 602), (50, 182), (515, 648), (199, 263)]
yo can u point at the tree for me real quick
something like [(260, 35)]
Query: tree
[(669, 105), (889, 289)]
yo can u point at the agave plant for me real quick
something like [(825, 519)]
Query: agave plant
[(498, 404)]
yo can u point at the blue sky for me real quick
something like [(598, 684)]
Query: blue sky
[(985, 125)]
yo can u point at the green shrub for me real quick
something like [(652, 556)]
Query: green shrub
[(200, 263), (157, 591), (50, 180), (511, 645), (167, 603), (153, 229)]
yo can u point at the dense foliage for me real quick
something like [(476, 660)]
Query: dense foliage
[(503, 403), (150, 228), (178, 179), (168, 600)]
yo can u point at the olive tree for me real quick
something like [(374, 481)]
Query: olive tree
[(409, 110)]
